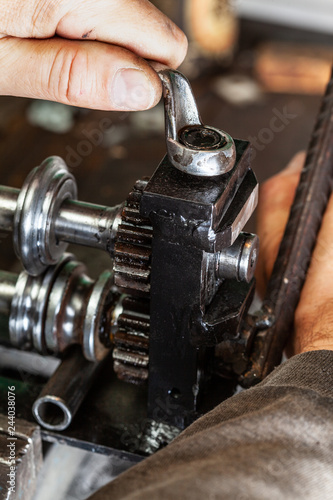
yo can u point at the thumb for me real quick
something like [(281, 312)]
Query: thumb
[(90, 74)]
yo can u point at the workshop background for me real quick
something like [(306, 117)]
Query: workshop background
[(257, 69)]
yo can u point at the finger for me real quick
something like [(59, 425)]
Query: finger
[(91, 74), (133, 24), (148, 32), (275, 199)]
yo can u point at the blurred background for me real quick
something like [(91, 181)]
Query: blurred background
[(258, 71)]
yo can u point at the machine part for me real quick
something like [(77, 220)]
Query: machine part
[(132, 265), (131, 352), (27, 362), (179, 255), (194, 219), (45, 216), (240, 259), (7, 291), (172, 223), (42, 194), (192, 147), (63, 307), (20, 459), (132, 251), (63, 394), (8, 203), (268, 331)]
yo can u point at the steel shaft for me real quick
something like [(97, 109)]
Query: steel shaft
[(77, 222), (7, 292)]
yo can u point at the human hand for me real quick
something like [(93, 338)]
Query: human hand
[(313, 323), (88, 53)]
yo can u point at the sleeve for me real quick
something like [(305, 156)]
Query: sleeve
[(273, 441)]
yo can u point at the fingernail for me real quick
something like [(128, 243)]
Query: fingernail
[(131, 90)]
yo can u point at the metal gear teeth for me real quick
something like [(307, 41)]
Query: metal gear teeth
[(132, 254), (131, 353), (132, 258)]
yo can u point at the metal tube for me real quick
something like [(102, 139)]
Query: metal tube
[(7, 291), (63, 394), (87, 224), (29, 362), (8, 201)]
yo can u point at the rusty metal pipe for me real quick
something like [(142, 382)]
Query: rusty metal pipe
[(274, 323)]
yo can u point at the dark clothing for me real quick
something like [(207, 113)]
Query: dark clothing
[(274, 441)]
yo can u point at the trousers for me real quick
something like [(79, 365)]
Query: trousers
[(273, 441)]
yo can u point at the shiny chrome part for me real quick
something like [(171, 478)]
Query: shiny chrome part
[(45, 216), (8, 202), (248, 258), (52, 413), (38, 203), (239, 260), (63, 307), (61, 397), (87, 224), (192, 147), (7, 291), (98, 318)]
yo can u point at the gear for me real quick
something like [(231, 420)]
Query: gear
[(132, 259)]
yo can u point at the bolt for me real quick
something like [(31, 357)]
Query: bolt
[(248, 258), (239, 261), (201, 137)]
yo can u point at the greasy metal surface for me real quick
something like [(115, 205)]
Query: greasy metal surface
[(191, 217), (107, 422), (113, 417), (291, 265), (219, 200), (132, 252)]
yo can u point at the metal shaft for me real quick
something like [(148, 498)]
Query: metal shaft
[(8, 202), (87, 224), (77, 222), (63, 394), (7, 292)]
